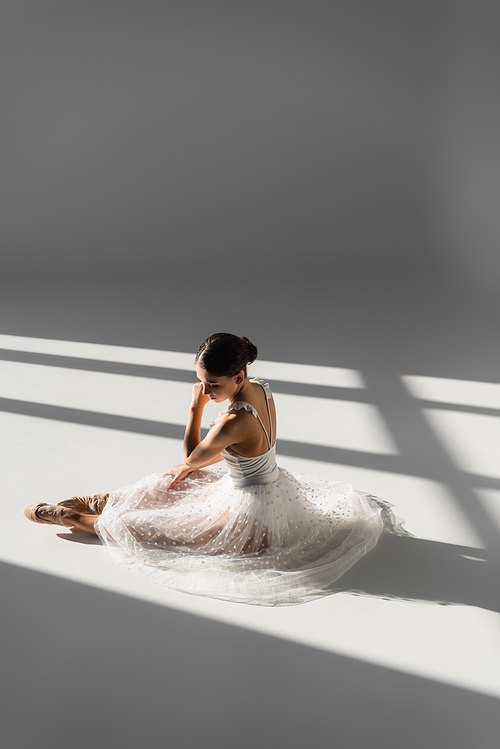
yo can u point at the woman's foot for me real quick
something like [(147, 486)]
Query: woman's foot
[(93, 505), (50, 514)]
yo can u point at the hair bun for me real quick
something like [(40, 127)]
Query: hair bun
[(252, 350), (224, 354)]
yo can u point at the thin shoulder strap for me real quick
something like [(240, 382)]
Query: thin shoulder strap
[(248, 407), (243, 404), (264, 428), (268, 395)]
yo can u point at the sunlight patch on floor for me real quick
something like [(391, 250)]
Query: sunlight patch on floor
[(459, 392), (302, 418), (333, 423), (307, 373), (47, 460), (287, 372), (99, 351), (472, 440)]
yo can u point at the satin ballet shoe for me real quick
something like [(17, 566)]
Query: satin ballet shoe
[(31, 512), (93, 505)]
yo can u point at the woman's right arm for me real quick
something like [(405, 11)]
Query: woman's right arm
[(181, 470)]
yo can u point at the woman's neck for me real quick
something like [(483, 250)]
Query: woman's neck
[(241, 391)]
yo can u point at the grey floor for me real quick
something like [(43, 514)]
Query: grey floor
[(96, 655)]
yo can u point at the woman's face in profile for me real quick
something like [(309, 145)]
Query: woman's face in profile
[(217, 388)]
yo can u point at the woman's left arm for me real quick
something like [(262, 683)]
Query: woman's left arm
[(197, 452)]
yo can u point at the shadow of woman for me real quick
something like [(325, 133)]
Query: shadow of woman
[(79, 537), (413, 569)]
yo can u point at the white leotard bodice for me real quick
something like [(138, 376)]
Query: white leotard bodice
[(257, 535), (261, 469)]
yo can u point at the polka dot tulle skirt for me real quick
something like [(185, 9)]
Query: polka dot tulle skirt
[(282, 543)]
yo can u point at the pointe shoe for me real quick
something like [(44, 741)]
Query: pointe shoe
[(93, 505), (31, 512)]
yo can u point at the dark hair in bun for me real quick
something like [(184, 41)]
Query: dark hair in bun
[(224, 354)]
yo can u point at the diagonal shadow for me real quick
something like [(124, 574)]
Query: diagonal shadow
[(153, 674), (388, 463), (358, 395), (421, 451), (178, 375), (398, 567), (409, 569), (92, 418), (404, 568), (414, 569), (97, 365)]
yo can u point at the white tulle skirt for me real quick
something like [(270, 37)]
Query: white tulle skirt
[(277, 544)]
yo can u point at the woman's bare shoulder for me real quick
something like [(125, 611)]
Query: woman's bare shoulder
[(230, 419)]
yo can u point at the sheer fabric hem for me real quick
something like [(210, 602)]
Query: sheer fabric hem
[(278, 544)]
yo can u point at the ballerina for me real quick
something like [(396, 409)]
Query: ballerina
[(255, 533)]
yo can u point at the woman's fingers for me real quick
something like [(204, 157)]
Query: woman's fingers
[(178, 472), (176, 477), (199, 398)]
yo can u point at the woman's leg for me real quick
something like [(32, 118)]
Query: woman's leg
[(92, 505), (85, 522), (65, 516)]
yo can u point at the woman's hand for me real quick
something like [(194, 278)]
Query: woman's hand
[(199, 400), (179, 472)]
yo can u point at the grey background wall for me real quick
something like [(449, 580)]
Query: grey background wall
[(142, 133), (171, 169)]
